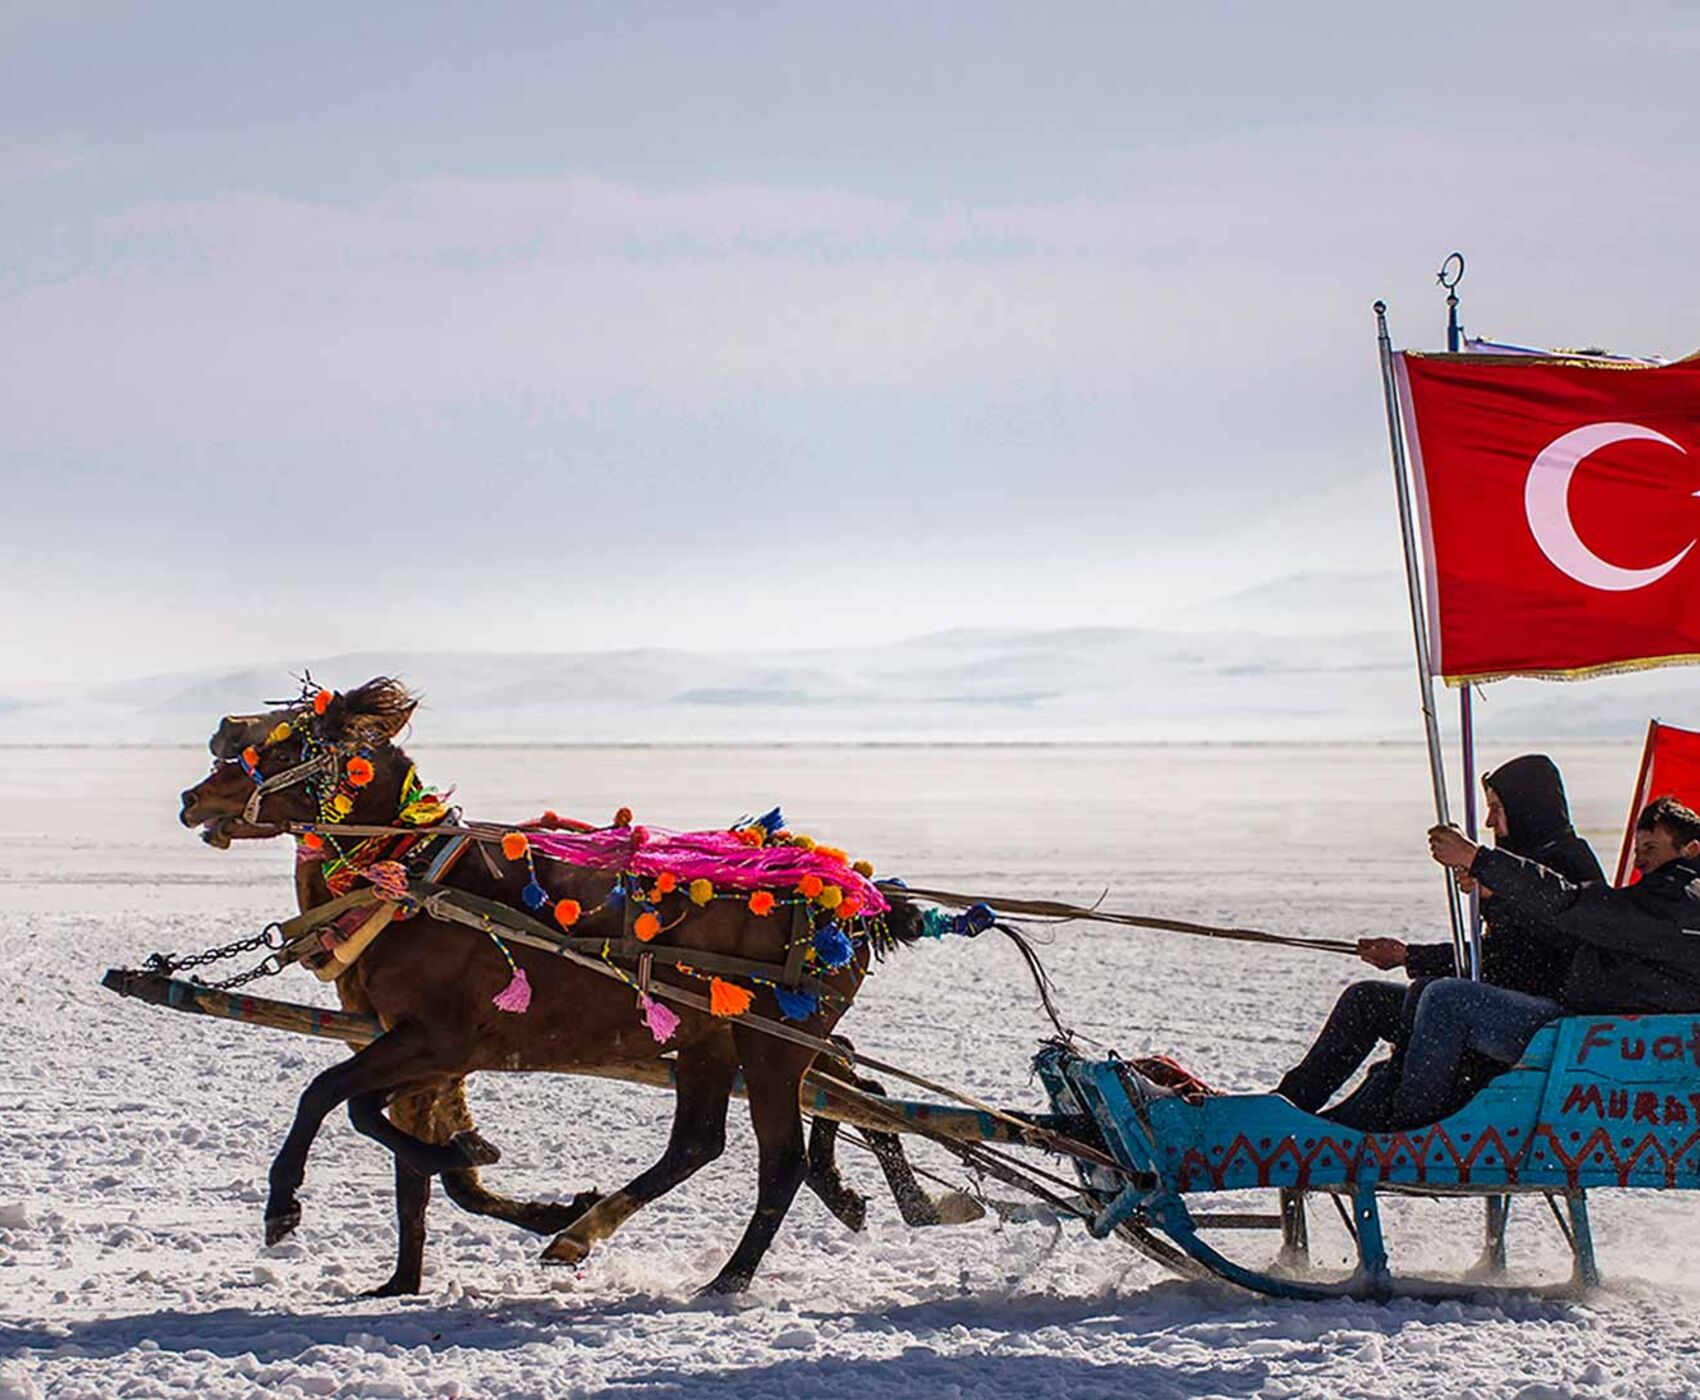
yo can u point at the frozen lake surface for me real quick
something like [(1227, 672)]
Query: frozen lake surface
[(134, 1143)]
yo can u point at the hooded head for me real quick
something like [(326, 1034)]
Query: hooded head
[(1532, 794)]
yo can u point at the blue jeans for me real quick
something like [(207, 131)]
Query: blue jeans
[(1455, 1015)]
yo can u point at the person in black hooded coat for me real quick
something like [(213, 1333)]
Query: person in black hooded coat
[(1529, 816)]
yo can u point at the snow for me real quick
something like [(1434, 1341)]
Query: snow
[(136, 1141)]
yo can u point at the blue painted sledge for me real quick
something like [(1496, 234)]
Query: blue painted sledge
[(1594, 1101)]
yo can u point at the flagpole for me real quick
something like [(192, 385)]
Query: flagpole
[(1449, 277), (1419, 632), (1637, 800)]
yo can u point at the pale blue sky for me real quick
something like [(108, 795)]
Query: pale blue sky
[(577, 325)]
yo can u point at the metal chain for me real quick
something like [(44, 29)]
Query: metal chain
[(271, 936)]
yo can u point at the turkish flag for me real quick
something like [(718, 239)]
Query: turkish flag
[(1670, 767), (1559, 513)]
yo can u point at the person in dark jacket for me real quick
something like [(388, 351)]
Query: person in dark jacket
[(1637, 951), (1528, 814)]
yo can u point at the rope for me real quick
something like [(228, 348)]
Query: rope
[(1054, 909)]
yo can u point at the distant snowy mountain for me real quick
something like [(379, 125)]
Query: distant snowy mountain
[(1310, 656)]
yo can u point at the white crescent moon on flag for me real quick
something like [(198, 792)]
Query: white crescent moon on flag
[(1546, 501)]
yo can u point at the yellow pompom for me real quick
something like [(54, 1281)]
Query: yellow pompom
[(701, 891), (806, 842), (864, 868), (830, 898), (342, 804), (278, 735)]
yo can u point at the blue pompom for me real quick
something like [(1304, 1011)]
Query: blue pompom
[(973, 921), (832, 947), (797, 1006), (534, 895), (616, 896)]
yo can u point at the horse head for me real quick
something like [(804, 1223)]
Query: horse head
[(329, 757)]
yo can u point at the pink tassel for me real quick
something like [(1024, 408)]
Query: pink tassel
[(516, 996), (661, 1020)]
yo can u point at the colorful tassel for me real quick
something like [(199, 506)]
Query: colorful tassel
[(534, 895), (725, 999), (832, 947), (516, 996), (796, 1006), (661, 1020), (646, 927), (389, 878)]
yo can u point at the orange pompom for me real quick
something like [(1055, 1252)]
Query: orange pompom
[(666, 882), (832, 853), (646, 927), (360, 771), (251, 756), (751, 835), (761, 903), (623, 817), (313, 841), (850, 907), (322, 702), (515, 845), (809, 886), (567, 912), (724, 999)]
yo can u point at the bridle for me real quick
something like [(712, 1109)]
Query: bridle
[(330, 761)]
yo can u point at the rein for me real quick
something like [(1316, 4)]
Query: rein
[(327, 761)]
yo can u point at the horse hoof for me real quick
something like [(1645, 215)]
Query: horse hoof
[(281, 1226), (851, 1208), (564, 1249), (475, 1151), (725, 1286), (956, 1208), (396, 1287)]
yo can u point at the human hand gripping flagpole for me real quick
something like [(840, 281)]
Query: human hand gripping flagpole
[(1419, 632)]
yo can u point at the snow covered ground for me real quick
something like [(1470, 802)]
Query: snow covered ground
[(134, 1143)]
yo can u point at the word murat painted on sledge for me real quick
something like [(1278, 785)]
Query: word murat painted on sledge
[(1548, 509)]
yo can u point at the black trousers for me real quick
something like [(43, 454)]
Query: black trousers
[(1366, 1014)]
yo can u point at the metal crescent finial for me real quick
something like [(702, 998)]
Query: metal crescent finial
[(1446, 276)]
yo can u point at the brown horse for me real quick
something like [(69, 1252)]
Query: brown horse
[(431, 983)]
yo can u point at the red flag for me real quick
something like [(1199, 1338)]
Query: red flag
[(1558, 512), (1670, 767)]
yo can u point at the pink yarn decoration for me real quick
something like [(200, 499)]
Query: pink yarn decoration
[(717, 856), (661, 1020), (516, 996)]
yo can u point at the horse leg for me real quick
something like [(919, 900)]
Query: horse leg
[(366, 1113), (703, 1088), (412, 1196), (773, 1073), (441, 1114), (394, 1058), (913, 1203), (825, 1180)]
